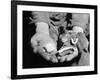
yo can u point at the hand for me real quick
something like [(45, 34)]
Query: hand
[(45, 46), (67, 54), (83, 42)]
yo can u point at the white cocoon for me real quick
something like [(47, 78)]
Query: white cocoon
[(50, 47)]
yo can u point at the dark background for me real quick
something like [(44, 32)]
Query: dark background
[(30, 59)]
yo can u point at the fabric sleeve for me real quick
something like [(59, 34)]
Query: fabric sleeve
[(80, 19), (40, 16)]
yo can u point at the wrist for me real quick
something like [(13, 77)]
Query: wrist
[(42, 27)]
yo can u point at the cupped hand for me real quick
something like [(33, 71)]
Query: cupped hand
[(44, 45)]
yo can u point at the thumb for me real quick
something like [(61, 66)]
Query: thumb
[(34, 43)]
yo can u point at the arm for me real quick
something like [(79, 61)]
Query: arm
[(80, 25), (42, 41)]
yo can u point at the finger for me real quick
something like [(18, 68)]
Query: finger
[(64, 49), (35, 49), (62, 59), (83, 40), (69, 57), (45, 56), (66, 53), (43, 53), (34, 41), (54, 59)]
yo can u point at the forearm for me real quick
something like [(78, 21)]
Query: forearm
[(40, 16), (42, 27), (41, 21)]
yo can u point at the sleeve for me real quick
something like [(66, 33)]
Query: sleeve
[(40, 16), (80, 19)]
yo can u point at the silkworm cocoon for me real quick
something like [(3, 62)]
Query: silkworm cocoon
[(50, 47)]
